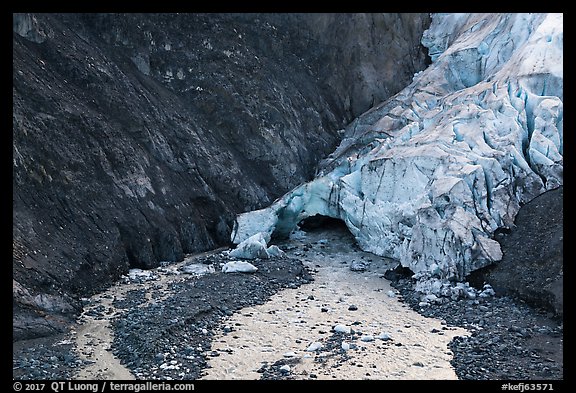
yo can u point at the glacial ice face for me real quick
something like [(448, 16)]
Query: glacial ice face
[(427, 176)]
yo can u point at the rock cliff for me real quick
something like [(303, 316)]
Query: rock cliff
[(137, 138)]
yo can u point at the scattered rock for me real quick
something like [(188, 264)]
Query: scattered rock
[(315, 346), (358, 266), (342, 329), (507, 338), (285, 369), (143, 332)]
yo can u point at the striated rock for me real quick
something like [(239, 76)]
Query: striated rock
[(27, 26), (429, 175)]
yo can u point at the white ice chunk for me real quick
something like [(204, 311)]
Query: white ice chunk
[(197, 269), (340, 328), (315, 346), (251, 248), (285, 368), (384, 336), (238, 267), (141, 275), (252, 222), (275, 252)]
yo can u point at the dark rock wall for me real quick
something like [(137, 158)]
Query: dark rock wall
[(138, 137), (532, 265)]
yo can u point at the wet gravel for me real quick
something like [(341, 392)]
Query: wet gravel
[(509, 340), (330, 354), (170, 337), (47, 358)]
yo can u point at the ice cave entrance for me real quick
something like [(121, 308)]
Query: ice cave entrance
[(320, 225), (319, 222)]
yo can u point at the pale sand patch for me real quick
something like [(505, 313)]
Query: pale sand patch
[(94, 340), (292, 319)]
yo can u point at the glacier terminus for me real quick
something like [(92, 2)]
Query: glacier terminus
[(427, 176)]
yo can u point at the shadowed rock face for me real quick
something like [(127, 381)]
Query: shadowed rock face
[(138, 138), (533, 253)]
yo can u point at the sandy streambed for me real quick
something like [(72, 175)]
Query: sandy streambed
[(388, 340), (170, 323), (378, 336), (94, 334)]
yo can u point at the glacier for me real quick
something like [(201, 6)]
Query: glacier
[(427, 176)]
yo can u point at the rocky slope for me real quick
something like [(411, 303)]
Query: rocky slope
[(532, 265), (137, 138)]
